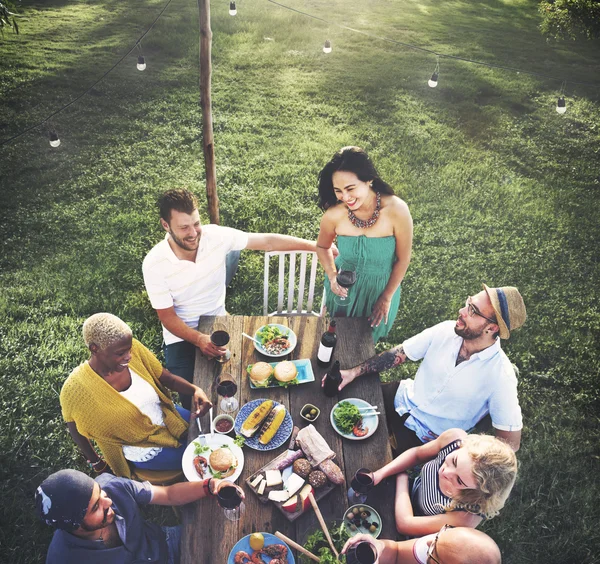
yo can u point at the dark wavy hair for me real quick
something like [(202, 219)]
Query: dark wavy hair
[(180, 200), (349, 159)]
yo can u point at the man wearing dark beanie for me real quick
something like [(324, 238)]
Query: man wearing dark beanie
[(100, 522)]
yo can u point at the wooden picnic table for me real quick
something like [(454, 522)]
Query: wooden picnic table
[(208, 536)]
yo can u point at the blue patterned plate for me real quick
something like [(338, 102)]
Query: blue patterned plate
[(244, 544), (282, 435)]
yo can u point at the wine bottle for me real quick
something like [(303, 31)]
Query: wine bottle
[(328, 342), (332, 380)]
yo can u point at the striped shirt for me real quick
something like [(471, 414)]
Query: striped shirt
[(426, 496)]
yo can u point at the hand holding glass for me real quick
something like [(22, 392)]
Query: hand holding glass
[(230, 499), (360, 486), (220, 337)]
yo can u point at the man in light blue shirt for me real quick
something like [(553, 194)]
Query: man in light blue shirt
[(464, 375)]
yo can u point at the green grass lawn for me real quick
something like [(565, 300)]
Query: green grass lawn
[(502, 190)]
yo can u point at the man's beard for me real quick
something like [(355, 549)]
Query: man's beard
[(100, 526), (469, 334), (186, 246)]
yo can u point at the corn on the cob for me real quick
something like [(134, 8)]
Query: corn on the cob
[(272, 424), (253, 421)]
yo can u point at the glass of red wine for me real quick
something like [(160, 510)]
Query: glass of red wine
[(227, 388), (230, 500), (360, 486), (345, 279), (362, 552), (220, 337)]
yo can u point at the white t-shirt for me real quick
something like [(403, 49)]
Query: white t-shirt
[(193, 289), (144, 397), (443, 395)]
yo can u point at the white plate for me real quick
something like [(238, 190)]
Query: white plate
[(291, 338), (216, 442), (369, 421)]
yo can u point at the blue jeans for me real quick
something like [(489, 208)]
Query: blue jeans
[(173, 537), (169, 458), (180, 359)]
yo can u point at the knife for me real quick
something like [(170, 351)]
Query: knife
[(201, 438), (287, 472)]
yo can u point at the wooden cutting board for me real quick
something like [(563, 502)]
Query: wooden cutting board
[(264, 498)]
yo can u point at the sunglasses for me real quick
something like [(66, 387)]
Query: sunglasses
[(432, 546)]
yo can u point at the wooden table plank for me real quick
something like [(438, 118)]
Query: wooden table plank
[(374, 452), (206, 531)]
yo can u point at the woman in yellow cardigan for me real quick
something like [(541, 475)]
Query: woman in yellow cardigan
[(119, 398)]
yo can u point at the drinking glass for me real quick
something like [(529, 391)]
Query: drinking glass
[(230, 500), (220, 337), (360, 486), (227, 388), (345, 279), (362, 552)]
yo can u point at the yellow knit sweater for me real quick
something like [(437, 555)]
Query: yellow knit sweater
[(103, 414)]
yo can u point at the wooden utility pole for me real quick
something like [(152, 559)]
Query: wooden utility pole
[(206, 105)]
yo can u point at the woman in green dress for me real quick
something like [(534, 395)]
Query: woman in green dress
[(374, 230)]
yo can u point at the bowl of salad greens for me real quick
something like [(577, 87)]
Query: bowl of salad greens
[(316, 543), (354, 419), (275, 340)]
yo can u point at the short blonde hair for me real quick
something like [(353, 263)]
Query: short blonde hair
[(494, 465), (104, 329)]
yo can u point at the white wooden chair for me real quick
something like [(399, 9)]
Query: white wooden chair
[(287, 279)]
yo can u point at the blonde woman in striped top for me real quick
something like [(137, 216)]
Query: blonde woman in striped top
[(464, 479)]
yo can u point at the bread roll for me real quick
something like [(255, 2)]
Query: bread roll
[(285, 371), (260, 373)]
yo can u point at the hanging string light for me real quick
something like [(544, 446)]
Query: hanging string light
[(561, 105), (141, 62), (54, 140), (433, 81), (232, 8), (327, 46)]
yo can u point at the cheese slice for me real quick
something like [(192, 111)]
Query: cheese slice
[(294, 483), (273, 478), (279, 495), (261, 486), (254, 483)]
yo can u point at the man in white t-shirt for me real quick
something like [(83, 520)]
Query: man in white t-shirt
[(185, 275), (464, 375)]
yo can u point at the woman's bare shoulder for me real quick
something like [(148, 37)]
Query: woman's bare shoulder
[(394, 204)]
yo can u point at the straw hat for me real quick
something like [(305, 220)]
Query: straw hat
[(509, 307)]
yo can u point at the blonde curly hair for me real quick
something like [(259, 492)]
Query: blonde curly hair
[(104, 329), (494, 466)]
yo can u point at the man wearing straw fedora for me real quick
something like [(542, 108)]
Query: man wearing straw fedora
[(464, 377)]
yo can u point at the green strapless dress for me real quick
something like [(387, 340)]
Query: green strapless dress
[(372, 258)]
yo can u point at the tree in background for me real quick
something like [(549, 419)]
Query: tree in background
[(570, 19), (7, 18)]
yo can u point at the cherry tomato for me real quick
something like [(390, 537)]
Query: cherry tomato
[(359, 431)]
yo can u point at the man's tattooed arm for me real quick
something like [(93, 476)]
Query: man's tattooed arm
[(383, 361)]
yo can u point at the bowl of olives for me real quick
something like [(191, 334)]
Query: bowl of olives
[(310, 412), (362, 519)]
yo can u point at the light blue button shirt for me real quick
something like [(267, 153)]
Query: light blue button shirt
[(443, 395)]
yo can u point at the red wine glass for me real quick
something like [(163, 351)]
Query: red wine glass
[(227, 388)]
